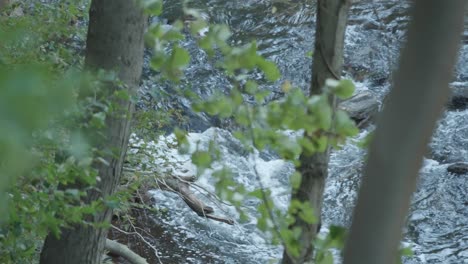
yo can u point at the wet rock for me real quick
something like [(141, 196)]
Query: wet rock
[(458, 168), (17, 12), (458, 103), (372, 25), (361, 107), (459, 97)]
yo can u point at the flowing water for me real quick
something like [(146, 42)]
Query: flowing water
[(437, 225)]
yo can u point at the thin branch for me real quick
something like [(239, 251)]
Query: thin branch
[(142, 239), (276, 228)]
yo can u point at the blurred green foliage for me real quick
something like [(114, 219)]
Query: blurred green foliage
[(41, 146)]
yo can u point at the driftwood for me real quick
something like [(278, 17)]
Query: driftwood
[(115, 248), (181, 186), (176, 184)]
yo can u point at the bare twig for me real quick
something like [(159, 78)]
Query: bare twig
[(142, 239), (276, 227)]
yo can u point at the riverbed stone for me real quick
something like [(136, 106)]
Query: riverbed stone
[(458, 168), (361, 107), (459, 97)]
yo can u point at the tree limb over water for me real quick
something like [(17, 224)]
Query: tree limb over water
[(181, 186)]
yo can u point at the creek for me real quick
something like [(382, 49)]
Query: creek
[(437, 225)]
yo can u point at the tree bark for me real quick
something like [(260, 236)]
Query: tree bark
[(114, 42), (3, 3), (404, 130), (332, 16)]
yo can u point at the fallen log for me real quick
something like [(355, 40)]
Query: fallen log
[(181, 186), (115, 248)]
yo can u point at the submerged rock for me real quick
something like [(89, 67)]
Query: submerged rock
[(361, 108), (459, 97), (458, 168)]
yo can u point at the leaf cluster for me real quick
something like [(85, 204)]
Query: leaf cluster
[(48, 109)]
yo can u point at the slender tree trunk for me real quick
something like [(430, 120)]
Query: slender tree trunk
[(404, 130), (332, 16), (3, 3), (114, 42)]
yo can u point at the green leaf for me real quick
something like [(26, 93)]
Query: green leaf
[(256, 193), (179, 57), (197, 25), (122, 94), (321, 143), (172, 35), (236, 97), (295, 180), (222, 33), (225, 108), (152, 7), (182, 141), (155, 33), (270, 69), (261, 95), (327, 258), (307, 213), (308, 147), (251, 87), (157, 61), (365, 142), (202, 159), (98, 120), (319, 106), (344, 89), (344, 125), (406, 251), (337, 237), (262, 224), (242, 115)]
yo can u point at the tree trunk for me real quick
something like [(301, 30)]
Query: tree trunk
[(114, 42), (3, 3), (404, 130), (332, 16)]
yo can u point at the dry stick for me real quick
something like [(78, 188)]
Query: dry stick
[(142, 237), (183, 189), (156, 253), (142, 201), (188, 196), (187, 179), (210, 195), (122, 250), (213, 197)]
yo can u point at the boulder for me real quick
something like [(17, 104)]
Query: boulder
[(458, 168), (459, 97), (362, 107)]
